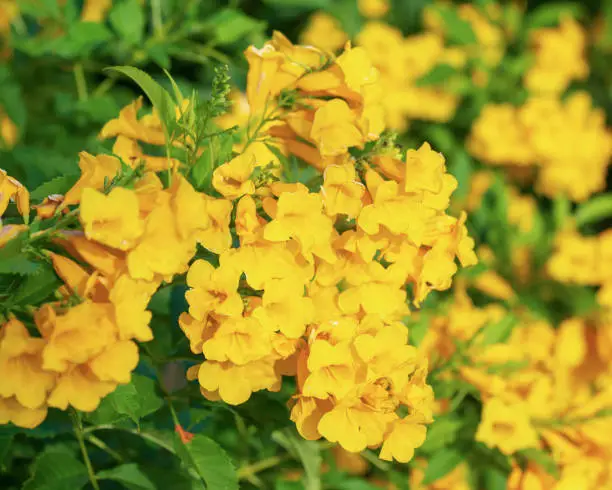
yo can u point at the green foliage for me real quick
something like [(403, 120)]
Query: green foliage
[(57, 468)]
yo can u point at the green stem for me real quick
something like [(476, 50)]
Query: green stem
[(265, 464), (81, 82), (144, 435), (156, 18), (78, 431), (100, 444)]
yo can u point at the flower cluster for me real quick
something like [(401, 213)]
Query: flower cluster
[(584, 260), (567, 141), (559, 54)]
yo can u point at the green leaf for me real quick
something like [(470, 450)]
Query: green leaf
[(437, 75), (57, 185), (307, 452), (6, 441), (210, 461), (550, 14), (230, 25), (494, 333), (594, 210), (441, 433), (159, 96), (36, 287), (441, 464), (456, 29), (129, 475), (301, 4), (40, 9), (13, 260), (128, 20), (56, 469), (80, 40), (543, 459), (136, 399)]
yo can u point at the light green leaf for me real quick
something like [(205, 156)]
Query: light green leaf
[(542, 459), (437, 75), (129, 475), (128, 20), (302, 4), (229, 25), (456, 29), (441, 463), (494, 333), (594, 210), (441, 433), (210, 461), (56, 469), (159, 96)]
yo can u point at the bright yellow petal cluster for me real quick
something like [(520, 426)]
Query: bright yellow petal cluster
[(324, 31), (567, 141), (13, 190)]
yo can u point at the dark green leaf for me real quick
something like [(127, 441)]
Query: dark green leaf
[(441, 433), (441, 463), (57, 468), (307, 452), (129, 475), (128, 20), (36, 287), (80, 40), (6, 442), (210, 461), (302, 4)]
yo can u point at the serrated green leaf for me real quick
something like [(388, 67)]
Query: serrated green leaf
[(594, 210), (57, 468), (129, 475), (441, 464), (57, 185), (128, 20), (159, 96), (210, 461), (136, 399), (36, 287)]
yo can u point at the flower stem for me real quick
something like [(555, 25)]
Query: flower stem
[(78, 431), (81, 82)]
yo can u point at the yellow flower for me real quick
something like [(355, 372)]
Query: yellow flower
[(285, 308), (11, 189), (95, 172), (130, 298), (213, 290), (342, 192), (131, 153), (8, 131), (21, 366), (264, 65), (239, 340), (334, 128), (116, 362), (506, 426), (373, 8), (217, 237), (234, 384), (95, 10), (8, 232), (80, 334), (424, 170), (299, 215), (405, 436), (232, 179), (331, 370), (359, 73), (112, 219), (11, 411), (81, 389), (147, 129), (324, 32)]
